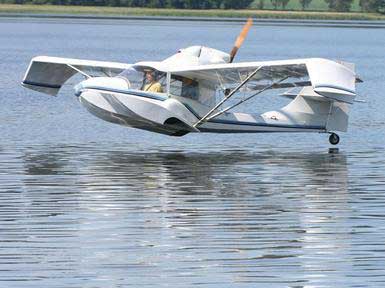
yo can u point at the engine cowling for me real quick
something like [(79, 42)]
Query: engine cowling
[(197, 55)]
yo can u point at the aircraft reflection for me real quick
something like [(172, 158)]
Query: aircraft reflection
[(225, 174), (243, 199)]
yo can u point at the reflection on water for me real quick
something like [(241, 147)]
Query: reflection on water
[(83, 216)]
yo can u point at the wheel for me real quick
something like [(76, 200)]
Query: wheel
[(334, 139)]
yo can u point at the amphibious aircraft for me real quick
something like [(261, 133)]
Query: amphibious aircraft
[(197, 89)]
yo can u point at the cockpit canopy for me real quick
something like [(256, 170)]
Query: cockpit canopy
[(183, 88), (135, 76)]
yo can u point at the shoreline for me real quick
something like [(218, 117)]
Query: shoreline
[(105, 12), (258, 21)]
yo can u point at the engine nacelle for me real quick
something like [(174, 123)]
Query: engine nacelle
[(197, 55), (206, 55)]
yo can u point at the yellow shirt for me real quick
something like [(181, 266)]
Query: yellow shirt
[(153, 87)]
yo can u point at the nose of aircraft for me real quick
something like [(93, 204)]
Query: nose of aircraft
[(105, 83)]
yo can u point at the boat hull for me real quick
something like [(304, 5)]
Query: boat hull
[(168, 116), (136, 111)]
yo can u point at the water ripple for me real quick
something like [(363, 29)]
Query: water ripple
[(75, 215)]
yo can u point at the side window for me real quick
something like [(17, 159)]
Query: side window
[(184, 87), (207, 93), (176, 86), (163, 80), (201, 91), (190, 89)]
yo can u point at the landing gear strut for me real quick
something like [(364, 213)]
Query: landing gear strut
[(334, 139)]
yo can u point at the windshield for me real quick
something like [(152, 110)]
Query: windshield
[(137, 78)]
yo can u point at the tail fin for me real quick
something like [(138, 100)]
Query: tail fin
[(324, 104), (310, 108)]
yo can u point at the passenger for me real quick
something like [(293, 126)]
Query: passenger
[(189, 89), (152, 84)]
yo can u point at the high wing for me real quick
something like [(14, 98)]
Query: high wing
[(48, 74), (328, 78)]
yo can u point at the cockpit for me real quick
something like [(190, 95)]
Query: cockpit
[(136, 77), (187, 90)]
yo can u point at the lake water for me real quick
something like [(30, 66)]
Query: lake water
[(85, 203)]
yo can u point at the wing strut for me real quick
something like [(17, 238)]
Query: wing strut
[(80, 71), (247, 98), (236, 89)]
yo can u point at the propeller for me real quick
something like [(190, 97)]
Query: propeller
[(240, 38)]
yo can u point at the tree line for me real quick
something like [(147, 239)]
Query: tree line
[(334, 5)]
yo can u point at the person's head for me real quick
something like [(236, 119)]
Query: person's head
[(150, 76), (188, 81)]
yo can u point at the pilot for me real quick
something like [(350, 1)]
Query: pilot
[(152, 84), (189, 89)]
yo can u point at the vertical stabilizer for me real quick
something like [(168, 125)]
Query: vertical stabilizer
[(310, 108)]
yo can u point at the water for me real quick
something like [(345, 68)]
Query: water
[(85, 203)]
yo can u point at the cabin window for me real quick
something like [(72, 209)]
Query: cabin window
[(184, 87), (200, 91)]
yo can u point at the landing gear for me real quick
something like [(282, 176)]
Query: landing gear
[(334, 139)]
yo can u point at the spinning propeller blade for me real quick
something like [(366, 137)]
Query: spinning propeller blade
[(241, 38)]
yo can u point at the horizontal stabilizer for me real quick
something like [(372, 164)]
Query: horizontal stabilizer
[(337, 94)]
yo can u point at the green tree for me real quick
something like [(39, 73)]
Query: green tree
[(283, 3), (339, 5), (216, 3), (275, 3), (198, 4), (372, 5), (368, 5), (261, 4), (236, 4), (156, 3), (304, 3), (179, 4), (381, 7)]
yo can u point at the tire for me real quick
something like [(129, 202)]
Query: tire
[(334, 139)]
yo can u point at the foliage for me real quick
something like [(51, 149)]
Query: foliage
[(179, 4), (284, 3), (372, 5), (275, 3), (165, 12), (236, 4), (306, 3), (333, 5), (381, 7), (339, 5), (281, 3)]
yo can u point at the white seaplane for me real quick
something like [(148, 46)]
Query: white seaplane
[(193, 86)]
